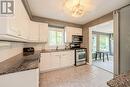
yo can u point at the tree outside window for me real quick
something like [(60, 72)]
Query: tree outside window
[(104, 43), (56, 36)]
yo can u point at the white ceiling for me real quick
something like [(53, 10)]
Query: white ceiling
[(55, 9), (106, 27)]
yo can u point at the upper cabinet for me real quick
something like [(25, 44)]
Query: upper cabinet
[(38, 32), (69, 31), (43, 32), (16, 25), (19, 27), (34, 31)]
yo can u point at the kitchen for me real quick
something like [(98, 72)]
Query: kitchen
[(34, 48)]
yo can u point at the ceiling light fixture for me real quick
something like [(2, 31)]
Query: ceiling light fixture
[(75, 7)]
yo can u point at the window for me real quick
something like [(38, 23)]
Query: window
[(104, 43), (56, 36), (94, 43)]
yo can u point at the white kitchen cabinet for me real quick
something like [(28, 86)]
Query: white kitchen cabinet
[(43, 29), (38, 32), (67, 59), (34, 31), (29, 78), (69, 31), (49, 61), (45, 62), (16, 25), (19, 27), (56, 60)]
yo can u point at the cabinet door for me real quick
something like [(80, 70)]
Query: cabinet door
[(69, 31), (25, 29), (16, 21), (78, 31), (45, 62), (23, 21), (43, 28), (55, 60), (71, 57), (34, 31), (67, 59), (64, 61), (49, 61), (68, 35), (15, 25)]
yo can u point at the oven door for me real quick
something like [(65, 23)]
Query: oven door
[(81, 56)]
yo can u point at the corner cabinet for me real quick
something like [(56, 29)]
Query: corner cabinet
[(56, 60), (15, 26), (69, 31), (19, 27)]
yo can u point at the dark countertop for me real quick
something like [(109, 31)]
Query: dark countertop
[(54, 50), (122, 80), (20, 63)]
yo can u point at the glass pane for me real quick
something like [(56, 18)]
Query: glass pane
[(56, 36), (94, 43), (60, 38), (52, 37), (104, 43)]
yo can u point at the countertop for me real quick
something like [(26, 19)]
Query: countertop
[(122, 80), (20, 63), (54, 50)]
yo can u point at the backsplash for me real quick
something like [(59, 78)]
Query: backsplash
[(7, 52), (14, 49)]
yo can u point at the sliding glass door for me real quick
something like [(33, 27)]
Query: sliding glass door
[(104, 43)]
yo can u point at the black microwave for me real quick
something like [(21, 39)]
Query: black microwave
[(77, 39)]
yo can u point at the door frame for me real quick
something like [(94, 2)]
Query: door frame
[(116, 45)]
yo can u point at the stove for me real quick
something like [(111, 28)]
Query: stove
[(80, 56)]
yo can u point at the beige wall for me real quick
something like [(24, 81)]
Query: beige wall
[(100, 20), (9, 51), (13, 49)]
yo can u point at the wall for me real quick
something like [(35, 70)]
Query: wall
[(124, 41), (86, 27), (10, 50), (13, 49)]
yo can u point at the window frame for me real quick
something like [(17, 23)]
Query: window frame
[(57, 29)]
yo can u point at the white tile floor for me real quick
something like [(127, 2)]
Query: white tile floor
[(82, 76), (106, 65)]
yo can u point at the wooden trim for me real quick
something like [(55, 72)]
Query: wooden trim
[(119, 70), (124, 6), (26, 5), (54, 22), (101, 33), (60, 23), (50, 21), (100, 20)]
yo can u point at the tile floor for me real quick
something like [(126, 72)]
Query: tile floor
[(82, 76), (106, 65)]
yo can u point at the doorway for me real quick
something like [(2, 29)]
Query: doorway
[(101, 48)]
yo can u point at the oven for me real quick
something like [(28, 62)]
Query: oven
[(80, 56)]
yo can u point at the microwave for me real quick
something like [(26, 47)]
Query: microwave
[(77, 39)]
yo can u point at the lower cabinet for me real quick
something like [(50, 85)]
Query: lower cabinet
[(56, 60), (67, 59), (29, 78)]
